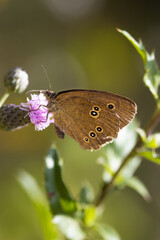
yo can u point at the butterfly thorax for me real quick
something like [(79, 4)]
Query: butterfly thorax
[(50, 95)]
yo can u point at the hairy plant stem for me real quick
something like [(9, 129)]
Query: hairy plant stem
[(106, 187), (4, 98)]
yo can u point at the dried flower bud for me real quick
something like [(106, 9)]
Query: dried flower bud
[(12, 117), (16, 80)]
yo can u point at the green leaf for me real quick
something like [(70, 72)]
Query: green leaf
[(138, 45), (86, 195), (89, 215), (119, 146), (142, 134), (69, 227), (117, 151), (152, 72), (129, 170), (153, 141), (107, 232), (139, 187), (152, 75), (30, 186), (60, 199), (150, 155)]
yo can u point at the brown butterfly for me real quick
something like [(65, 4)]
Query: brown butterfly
[(90, 117)]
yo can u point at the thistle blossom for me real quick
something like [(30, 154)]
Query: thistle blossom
[(37, 110)]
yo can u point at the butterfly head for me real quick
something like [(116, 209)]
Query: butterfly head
[(48, 94)]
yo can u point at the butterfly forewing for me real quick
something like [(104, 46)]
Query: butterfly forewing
[(124, 107)]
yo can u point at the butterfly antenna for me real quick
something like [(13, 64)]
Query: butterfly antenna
[(46, 74), (34, 91)]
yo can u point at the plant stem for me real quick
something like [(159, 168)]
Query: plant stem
[(4, 98), (153, 122), (106, 187)]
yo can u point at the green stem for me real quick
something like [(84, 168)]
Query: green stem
[(154, 121), (4, 98), (106, 187)]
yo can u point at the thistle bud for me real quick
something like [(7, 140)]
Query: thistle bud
[(16, 80), (12, 117)]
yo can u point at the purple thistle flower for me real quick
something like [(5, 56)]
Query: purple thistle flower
[(37, 110)]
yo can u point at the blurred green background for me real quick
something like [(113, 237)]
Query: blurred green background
[(77, 42)]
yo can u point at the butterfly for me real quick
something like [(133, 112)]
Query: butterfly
[(93, 118)]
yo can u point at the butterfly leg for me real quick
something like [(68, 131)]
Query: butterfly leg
[(39, 107), (59, 133)]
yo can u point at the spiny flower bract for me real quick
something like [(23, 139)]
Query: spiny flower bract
[(12, 117)]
